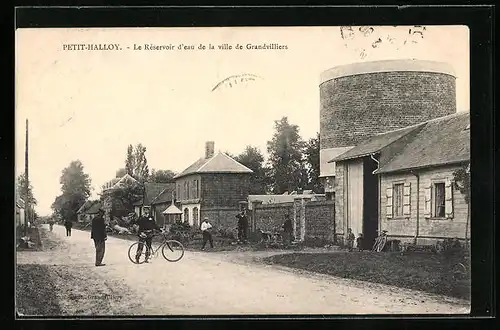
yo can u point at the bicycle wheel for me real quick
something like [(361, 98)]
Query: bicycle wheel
[(132, 252), (381, 244), (172, 250)]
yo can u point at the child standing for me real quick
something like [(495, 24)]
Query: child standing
[(350, 239)]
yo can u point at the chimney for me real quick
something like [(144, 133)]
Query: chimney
[(209, 149)]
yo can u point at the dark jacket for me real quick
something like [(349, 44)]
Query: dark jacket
[(68, 224), (146, 224), (242, 221), (98, 232)]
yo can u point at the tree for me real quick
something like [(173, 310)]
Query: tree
[(311, 153), (461, 179), (130, 160), (21, 188), (286, 162), (75, 187), (136, 164), (252, 158), (121, 172), (161, 176)]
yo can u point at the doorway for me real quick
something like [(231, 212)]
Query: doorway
[(370, 202)]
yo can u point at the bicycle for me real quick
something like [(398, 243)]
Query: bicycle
[(171, 250), (380, 242)]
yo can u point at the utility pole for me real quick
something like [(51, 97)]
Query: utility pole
[(26, 187)]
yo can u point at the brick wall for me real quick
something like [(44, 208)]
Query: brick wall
[(223, 189), (320, 220), (221, 217), (353, 108), (429, 229), (270, 216)]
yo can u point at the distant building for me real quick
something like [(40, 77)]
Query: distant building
[(161, 200), (402, 181), (212, 186), (88, 211)]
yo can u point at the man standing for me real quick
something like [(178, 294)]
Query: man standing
[(68, 224), (98, 234), (242, 226), (147, 226), (207, 235), (288, 229)]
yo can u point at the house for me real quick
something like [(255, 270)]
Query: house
[(88, 211), (402, 181), (212, 186), (108, 188), (151, 191), (161, 202)]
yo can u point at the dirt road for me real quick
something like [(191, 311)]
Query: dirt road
[(205, 283)]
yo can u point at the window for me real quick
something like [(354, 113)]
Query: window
[(195, 217), (439, 200), (197, 183), (186, 215), (398, 199)]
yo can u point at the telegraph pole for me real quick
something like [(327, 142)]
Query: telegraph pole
[(26, 185)]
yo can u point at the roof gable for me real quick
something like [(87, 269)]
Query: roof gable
[(218, 163), (94, 208)]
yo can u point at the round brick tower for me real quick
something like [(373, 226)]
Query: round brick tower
[(363, 99)]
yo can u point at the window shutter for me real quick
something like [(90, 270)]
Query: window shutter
[(406, 198), (389, 202), (448, 199), (428, 198)]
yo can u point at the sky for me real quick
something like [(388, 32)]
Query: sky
[(90, 105)]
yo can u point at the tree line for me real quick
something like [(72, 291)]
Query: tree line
[(292, 165)]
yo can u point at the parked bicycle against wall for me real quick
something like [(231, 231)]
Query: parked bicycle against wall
[(380, 242)]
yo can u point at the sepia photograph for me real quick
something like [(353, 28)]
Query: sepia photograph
[(210, 171)]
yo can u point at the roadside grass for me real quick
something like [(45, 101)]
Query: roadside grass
[(35, 291), (432, 273)]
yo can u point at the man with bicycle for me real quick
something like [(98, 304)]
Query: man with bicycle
[(147, 227)]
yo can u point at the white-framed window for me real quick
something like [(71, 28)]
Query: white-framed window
[(398, 200), (439, 199)]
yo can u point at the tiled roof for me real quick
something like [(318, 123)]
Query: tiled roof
[(218, 163), (84, 207), (166, 195), (151, 191), (376, 143), (172, 209), (94, 208), (441, 141)]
